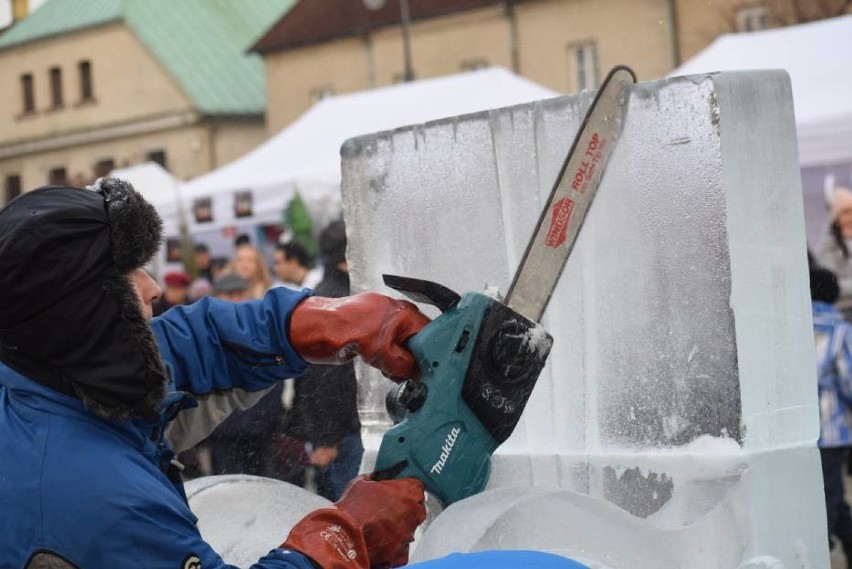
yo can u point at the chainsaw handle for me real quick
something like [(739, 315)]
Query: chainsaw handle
[(390, 472), (423, 291)]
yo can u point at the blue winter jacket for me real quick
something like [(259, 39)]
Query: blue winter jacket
[(103, 494), (99, 494), (833, 341)]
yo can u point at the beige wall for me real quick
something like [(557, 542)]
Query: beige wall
[(701, 22), (233, 139), (292, 75), (187, 152), (128, 84), (439, 46), (634, 33)]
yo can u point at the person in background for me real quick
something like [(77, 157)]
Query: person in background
[(175, 292), (834, 252), (218, 267), (242, 239), (833, 342), (198, 289), (292, 265), (326, 398), (202, 259), (250, 264), (231, 287)]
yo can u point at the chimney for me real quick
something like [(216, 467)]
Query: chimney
[(20, 10)]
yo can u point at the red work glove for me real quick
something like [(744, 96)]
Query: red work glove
[(370, 325), (370, 526)]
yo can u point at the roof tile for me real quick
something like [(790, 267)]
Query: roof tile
[(315, 21)]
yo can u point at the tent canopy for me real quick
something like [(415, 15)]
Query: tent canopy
[(306, 154), (155, 183), (817, 58)]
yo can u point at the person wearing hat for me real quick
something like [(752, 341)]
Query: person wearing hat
[(96, 397), (834, 251), (232, 287), (833, 342), (175, 291)]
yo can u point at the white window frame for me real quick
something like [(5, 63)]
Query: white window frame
[(752, 19), (585, 63)]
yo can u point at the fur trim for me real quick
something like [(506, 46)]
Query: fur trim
[(136, 228), (136, 232), (156, 378)]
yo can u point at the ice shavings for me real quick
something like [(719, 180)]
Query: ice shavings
[(493, 291), (537, 339)]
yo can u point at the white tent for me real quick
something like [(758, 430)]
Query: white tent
[(818, 57), (158, 186), (306, 155)]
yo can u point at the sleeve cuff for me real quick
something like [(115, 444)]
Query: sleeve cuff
[(283, 557)]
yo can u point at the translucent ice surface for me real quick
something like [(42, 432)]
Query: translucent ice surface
[(242, 517), (680, 388)]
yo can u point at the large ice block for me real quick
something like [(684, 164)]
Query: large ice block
[(681, 323)]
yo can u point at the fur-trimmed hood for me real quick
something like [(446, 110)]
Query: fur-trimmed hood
[(70, 318)]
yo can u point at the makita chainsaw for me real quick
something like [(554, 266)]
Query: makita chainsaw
[(480, 359)]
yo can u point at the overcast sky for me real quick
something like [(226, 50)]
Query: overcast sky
[(6, 10)]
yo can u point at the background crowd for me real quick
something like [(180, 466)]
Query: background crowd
[(831, 294), (306, 430)]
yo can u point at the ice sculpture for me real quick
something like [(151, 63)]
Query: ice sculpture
[(681, 385)]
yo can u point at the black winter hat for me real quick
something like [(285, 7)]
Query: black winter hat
[(70, 318), (824, 286)]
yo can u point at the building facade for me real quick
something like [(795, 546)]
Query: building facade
[(323, 47), (97, 85), (192, 85)]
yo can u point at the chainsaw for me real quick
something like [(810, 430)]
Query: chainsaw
[(480, 359)]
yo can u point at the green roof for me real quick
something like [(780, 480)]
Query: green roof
[(202, 44)]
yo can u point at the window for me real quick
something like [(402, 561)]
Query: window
[(159, 157), (585, 56), (104, 167), (242, 204), (86, 91), (752, 19), (202, 208), (474, 64), (13, 187), (320, 93), (57, 177), (56, 87), (28, 92)]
